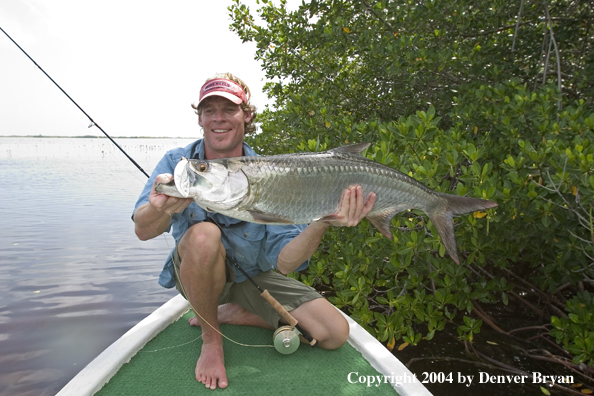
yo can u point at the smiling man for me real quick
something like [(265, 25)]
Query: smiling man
[(198, 266)]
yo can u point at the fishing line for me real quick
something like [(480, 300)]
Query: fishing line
[(93, 123), (175, 346), (266, 295), (200, 316), (118, 159)]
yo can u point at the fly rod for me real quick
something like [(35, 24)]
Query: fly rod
[(93, 123), (276, 305), (286, 338)]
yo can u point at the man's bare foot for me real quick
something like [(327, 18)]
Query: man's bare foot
[(234, 314), (210, 367)]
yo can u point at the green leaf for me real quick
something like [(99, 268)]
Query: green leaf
[(504, 299)]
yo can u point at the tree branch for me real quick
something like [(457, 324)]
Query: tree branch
[(379, 18), (516, 295), (521, 372), (544, 40), (496, 30), (479, 311), (546, 64), (559, 360), (528, 328), (544, 337), (550, 22), (517, 25), (561, 304)]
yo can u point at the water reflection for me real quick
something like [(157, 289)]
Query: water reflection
[(73, 276)]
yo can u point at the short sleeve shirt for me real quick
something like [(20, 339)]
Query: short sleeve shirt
[(255, 247)]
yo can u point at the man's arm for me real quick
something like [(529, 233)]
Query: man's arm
[(353, 209), (152, 218)]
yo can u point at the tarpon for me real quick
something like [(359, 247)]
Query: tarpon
[(306, 187)]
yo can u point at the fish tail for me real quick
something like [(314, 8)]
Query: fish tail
[(443, 219)]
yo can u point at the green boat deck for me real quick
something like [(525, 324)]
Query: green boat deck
[(165, 366)]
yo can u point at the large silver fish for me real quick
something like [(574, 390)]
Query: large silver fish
[(306, 187)]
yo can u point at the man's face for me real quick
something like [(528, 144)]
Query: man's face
[(223, 123)]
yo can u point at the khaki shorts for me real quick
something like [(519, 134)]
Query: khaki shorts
[(289, 292)]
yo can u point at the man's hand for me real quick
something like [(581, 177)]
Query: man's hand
[(152, 219), (353, 207), (164, 203)]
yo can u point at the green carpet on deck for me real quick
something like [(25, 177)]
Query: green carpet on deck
[(250, 371)]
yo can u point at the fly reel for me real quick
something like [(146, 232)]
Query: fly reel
[(286, 340)]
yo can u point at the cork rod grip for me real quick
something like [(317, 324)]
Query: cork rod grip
[(279, 308)]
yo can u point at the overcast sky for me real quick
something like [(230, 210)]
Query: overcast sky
[(134, 66)]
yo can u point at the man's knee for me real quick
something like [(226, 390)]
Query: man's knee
[(324, 322), (338, 334), (202, 258), (202, 235), (202, 238)]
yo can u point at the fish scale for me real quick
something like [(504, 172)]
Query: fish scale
[(284, 186), (306, 187)]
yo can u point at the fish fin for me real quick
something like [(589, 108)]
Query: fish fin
[(460, 205), (354, 149), (444, 224), (443, 221), (265, 218), (328, 218), (383, 220)]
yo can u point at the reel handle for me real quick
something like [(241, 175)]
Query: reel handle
[(287, 316), (279, 308)]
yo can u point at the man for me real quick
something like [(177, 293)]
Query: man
[(211, 285)]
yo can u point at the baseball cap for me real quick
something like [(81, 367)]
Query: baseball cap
[(228, 89)]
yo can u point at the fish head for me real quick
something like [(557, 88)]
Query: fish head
[(194, 177), (211, 184)]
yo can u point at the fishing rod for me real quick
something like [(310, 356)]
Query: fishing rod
[(286, 338), (93, 123)]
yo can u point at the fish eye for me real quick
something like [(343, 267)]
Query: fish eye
[(203, 167)]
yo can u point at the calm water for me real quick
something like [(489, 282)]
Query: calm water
[(73, 276)]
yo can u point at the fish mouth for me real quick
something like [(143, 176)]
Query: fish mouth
[(166, 188), (181, 177)]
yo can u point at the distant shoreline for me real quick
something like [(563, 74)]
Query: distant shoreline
[(97, 137)]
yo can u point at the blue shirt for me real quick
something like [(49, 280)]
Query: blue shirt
[(255, 247)]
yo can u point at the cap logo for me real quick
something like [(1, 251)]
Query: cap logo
[(225, 88)]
